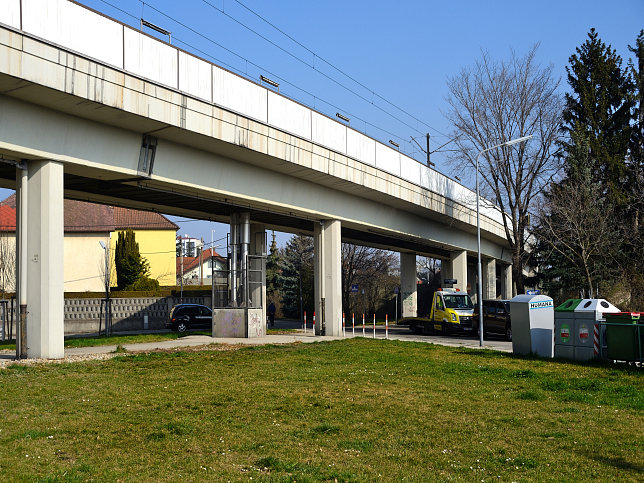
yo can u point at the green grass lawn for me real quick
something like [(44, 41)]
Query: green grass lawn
[(115, 339), (351, 410)]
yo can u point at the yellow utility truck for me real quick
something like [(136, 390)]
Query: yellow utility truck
[(452, 312)]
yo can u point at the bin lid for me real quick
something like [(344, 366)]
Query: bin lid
[(624, 317), (599, 306), (568, 306)]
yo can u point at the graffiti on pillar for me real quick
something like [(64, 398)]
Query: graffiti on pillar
[(408, 302), (255, 326)]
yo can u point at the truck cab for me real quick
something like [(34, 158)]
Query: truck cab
[(452, 311)]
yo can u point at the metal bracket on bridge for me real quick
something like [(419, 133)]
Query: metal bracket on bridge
[(146, 156), (22, 164)]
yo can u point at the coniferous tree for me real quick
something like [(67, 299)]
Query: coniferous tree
[(273, 271), (599, 106), (130, 265), (296, 276)]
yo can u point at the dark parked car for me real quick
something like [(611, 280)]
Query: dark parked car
[(496, 318), (189, 316)]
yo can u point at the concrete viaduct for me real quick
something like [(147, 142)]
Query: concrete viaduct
[(93, 109)]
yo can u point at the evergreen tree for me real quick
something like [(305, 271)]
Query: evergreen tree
[(297, 271), (130, 265), (633, 259), (273, 271), (600, 107)]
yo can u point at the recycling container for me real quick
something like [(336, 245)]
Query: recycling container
[(533, 325), (565, 328), (588, 313), (625, 336)]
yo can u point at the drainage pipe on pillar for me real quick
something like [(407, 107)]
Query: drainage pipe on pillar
[(21, 335), (322, 325), (234, 238), (244, 235)]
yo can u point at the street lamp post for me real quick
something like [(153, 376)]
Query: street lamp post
[(106, 248), (479, 297)]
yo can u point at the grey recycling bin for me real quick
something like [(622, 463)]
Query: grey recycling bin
[(533, 325), (565, 328), (588, 313)]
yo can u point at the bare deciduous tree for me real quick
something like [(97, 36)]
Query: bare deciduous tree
[(7, 263), (494, 102), (576, 224), (370, 269)]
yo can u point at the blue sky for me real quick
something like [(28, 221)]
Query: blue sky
[(403, 51)]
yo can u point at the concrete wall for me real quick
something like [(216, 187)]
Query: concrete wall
[(84, 315)]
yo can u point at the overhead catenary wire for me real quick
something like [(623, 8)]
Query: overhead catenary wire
[(337, 69), (273, 74), (250, 62), (312, 65)]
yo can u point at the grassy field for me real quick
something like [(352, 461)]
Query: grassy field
[(131, 339), (352, 410)]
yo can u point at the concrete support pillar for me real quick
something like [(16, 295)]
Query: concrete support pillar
[(258, 266), (459, 270), (489, 278), (45, 266), (408, 285), (328, 277), (507, 282)]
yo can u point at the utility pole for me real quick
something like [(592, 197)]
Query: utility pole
[(429, 163)]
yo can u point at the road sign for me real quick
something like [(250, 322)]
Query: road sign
[(354, 287), (533, 292), (396, 290), (450, 281)]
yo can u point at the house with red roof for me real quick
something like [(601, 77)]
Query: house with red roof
[(89, 224), (198, 270)]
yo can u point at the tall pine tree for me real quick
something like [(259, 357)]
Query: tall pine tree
[(600, 108)]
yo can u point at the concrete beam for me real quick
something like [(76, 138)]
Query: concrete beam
[(45, 265), (408, 292)]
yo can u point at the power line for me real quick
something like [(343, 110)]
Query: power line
[(313, 66), (273, 74), (333, 66)]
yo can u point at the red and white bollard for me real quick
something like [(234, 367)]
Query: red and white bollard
[(353, 323), (374, 326), (363, 325), (386, 326), (314, 323), (344, 333), (596, 340), (305, 321)]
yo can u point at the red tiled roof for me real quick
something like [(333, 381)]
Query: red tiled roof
[(190, 263), (7, 218), (85, 217), (125, 218)]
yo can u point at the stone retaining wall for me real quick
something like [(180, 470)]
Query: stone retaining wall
[(84, 316)]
